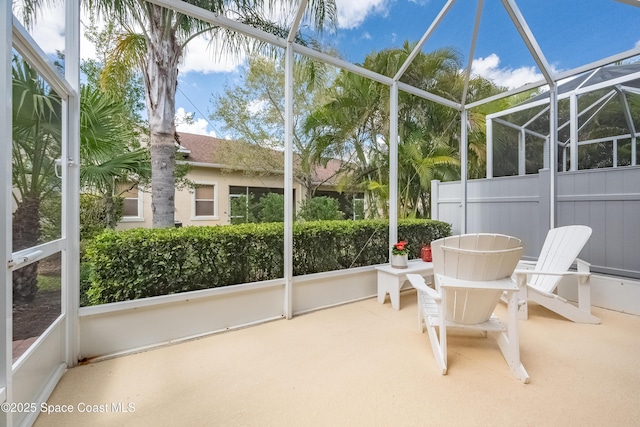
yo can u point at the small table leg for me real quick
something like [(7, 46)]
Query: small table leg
[(390, 284), (395, 297)]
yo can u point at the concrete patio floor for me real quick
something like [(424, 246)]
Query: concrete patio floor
[(366, 364)]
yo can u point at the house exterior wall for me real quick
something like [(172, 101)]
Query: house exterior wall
[(185, 201)]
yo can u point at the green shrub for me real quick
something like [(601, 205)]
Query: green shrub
[(51, 217), (98, 213), (320, 208), (141, 263), (85, 283), (241, 209), (271, 208)]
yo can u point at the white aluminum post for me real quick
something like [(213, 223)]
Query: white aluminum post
[(464, 167), (418, 48), (71, 181), (393, 166), (528, 38), (615, 152), (288, 163), (630, 124), (288, 182), (6, 295), (545, 154), (553, 157), (573, 129), (489, 145), (474, 39), (435, 199), (522, 170)]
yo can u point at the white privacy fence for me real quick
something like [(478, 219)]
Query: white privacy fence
[(607, 200)]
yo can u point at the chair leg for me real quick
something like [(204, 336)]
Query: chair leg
[(564, 308), (422, 316), (584, 296), (443, 335), (509, 343), (512, 357), (439, 348), (438, 339), (522, 302)]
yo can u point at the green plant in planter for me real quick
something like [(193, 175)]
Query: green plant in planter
[(400, 248)]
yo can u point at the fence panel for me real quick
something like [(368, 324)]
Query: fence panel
[(607, 200)]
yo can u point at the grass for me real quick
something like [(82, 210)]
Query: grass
[(49, 283)]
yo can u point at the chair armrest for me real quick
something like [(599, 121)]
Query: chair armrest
[(582, 274), (526, 263), (418, 283), (583, 266), (526, 272), (505, 284)]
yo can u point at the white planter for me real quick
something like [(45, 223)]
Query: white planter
[(399, 261)]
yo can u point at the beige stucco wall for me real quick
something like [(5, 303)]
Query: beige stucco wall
[(207, 175)]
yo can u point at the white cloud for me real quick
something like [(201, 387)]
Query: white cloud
[(48, 29), (200, 57), (87, 49), (256, 106), (366, 35), (199, 126), (352, 13), (508, 77), (637, 44)]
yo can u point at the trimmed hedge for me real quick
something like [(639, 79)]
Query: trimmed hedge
[(141, 263)]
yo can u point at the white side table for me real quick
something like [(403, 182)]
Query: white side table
[(390, 280)]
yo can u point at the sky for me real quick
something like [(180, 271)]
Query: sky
[(570, 33)]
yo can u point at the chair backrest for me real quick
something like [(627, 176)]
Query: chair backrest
[(477, 256), (474, 258), (561, 248)]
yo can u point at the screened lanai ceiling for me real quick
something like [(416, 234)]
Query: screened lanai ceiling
[(612, 89), (516, 44)]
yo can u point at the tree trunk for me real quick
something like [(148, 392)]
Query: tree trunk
[(161, 81), (26, 234)]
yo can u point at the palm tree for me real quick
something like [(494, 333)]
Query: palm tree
[(349, 126), (355, 123), (37, 143), (36, 146), (154, 40), (421, 160), (108, 139)]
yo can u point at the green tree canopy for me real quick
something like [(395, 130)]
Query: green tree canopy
[(252, 111)]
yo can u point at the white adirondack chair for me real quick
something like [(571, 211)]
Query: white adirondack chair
[(559, 252), (471, 273)]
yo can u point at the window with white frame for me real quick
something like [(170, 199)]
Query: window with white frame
[(132, 196), (205, 201), (358, 208)]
